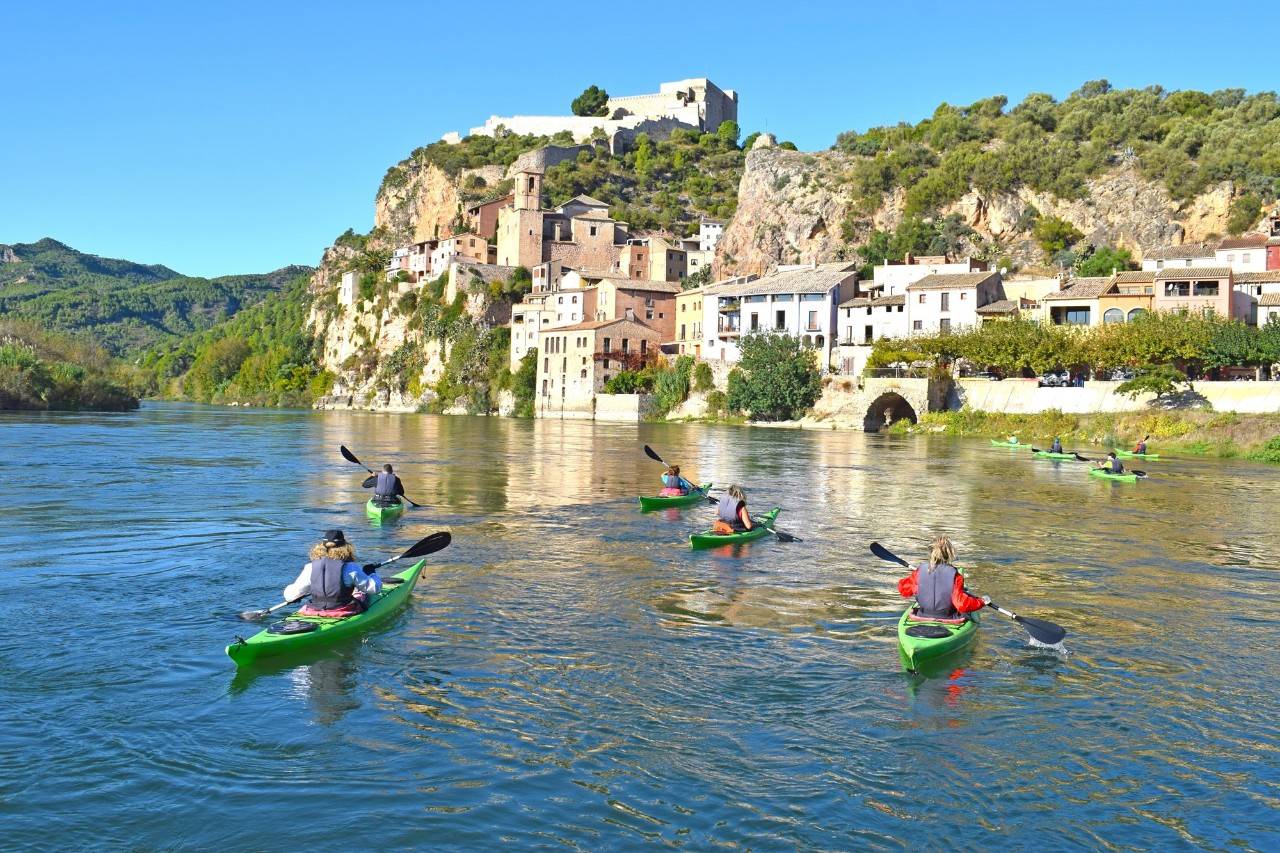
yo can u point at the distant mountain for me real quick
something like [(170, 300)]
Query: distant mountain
[(120, 305)]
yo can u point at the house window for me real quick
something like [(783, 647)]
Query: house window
[(963, 296), (1076, 316), (1244, 257), (1135, 313), (1159, 265), (921, 299), (607, 345), (592, 231), (644, 346), (648, 313), (780, 320), (1112, 315), (574, 300), (946, 302), (813, 321), (1188, 263), (1230, 257), (626, 345), (559, 300), (1177, 288), (944, 325), (917, 325), (868, 333), (1206, 288), (682, 331), (755, 322)]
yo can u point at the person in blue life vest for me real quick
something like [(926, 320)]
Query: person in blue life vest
[(732, 515), (1111, 464), (386, 486), (337, 584), (938, 586), (1057, 446), (673, 485)]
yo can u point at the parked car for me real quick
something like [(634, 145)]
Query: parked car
[(1055, 380), (1121, 374)]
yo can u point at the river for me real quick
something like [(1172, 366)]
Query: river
[(570, 674)]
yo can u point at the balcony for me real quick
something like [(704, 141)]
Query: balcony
[(731, 307)]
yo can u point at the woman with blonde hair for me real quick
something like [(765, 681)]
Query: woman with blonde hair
[(338, 586), (938, 586), (731, 514)]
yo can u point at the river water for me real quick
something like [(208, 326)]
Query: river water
[(570, 674)]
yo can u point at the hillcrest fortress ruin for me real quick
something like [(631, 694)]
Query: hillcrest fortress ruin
[(696, 104)]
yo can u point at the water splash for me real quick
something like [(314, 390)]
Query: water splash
[(1059, 648)]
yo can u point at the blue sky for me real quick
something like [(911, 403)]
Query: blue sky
[(221, 138)]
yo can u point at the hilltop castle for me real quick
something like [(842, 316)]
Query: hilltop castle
[(695, 104)]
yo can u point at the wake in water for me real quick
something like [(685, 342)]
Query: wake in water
[(1059, 648)]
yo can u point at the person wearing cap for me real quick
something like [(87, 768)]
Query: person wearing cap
[(338, 586), (386, 486)]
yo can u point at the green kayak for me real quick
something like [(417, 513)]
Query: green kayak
[(1107, 475), (695, 497), (1048, 454), (328, 630), (1129, 454), (383, 513), (1007, 443), (920, 642), (714, 540)]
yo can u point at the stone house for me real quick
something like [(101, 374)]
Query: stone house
[(942, 302), (1092, 301), (578, 233), (575, 362), (469, 247), (482, 218), (654, 258), (892, 277), (1268, 308), (1255, 285), (799, 301), (1246, 253)]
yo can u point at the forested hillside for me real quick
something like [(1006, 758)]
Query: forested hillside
[(121, 306)]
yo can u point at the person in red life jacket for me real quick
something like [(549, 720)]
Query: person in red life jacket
[(338, 586), (673, 485), (732, 515), (938, 586), (1141, 447), (386, 486), (1111, 464)]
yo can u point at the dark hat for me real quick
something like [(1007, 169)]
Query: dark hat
[(334, 538)]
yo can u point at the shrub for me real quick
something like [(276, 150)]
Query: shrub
[(702, 377)]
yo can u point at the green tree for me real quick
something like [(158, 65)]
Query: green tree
[(1245, 211), (1054, 235), (776, 378), (592, 102), (1159, 379), (524, 384), (1233, 344), (728, 133), (1104, 260)]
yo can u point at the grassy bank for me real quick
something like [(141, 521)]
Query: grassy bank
[(46, 371), (1218, 434)]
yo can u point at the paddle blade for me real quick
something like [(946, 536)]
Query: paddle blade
[(652, 454), (1044, 632), (434, 542), (252, 615), (885, 554), (784, 536), (348, 455)]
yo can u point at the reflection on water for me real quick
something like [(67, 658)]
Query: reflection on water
[(570, 673)]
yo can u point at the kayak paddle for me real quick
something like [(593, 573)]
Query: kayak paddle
[(435, 542), (351, 457), (1039, 629)]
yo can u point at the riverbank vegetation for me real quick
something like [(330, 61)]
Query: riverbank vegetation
[(1190, 343), (1224, 435), (42, 371)]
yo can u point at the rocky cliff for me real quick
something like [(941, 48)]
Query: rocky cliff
[(795, 207)]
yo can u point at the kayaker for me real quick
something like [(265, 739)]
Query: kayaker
[(1013, 439), (1057, 446), (1141, 447), (338, 586), (1112, 465), (732, 515), (386, 486), (938, 587), (673, 485)]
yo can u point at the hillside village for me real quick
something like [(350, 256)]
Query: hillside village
[(602, 297)]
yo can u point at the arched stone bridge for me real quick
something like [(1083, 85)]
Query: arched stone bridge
[(888, 400)]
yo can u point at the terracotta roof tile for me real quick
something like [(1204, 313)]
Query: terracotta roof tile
[(951, 281), (1244, 241), (819, 280), (1082, 288), (1256, 277), (1002, 306), (1186, 250), (1182, 273), (1269, 300), (1135, 277)]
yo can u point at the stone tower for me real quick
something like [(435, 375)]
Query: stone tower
[(528, 191)]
